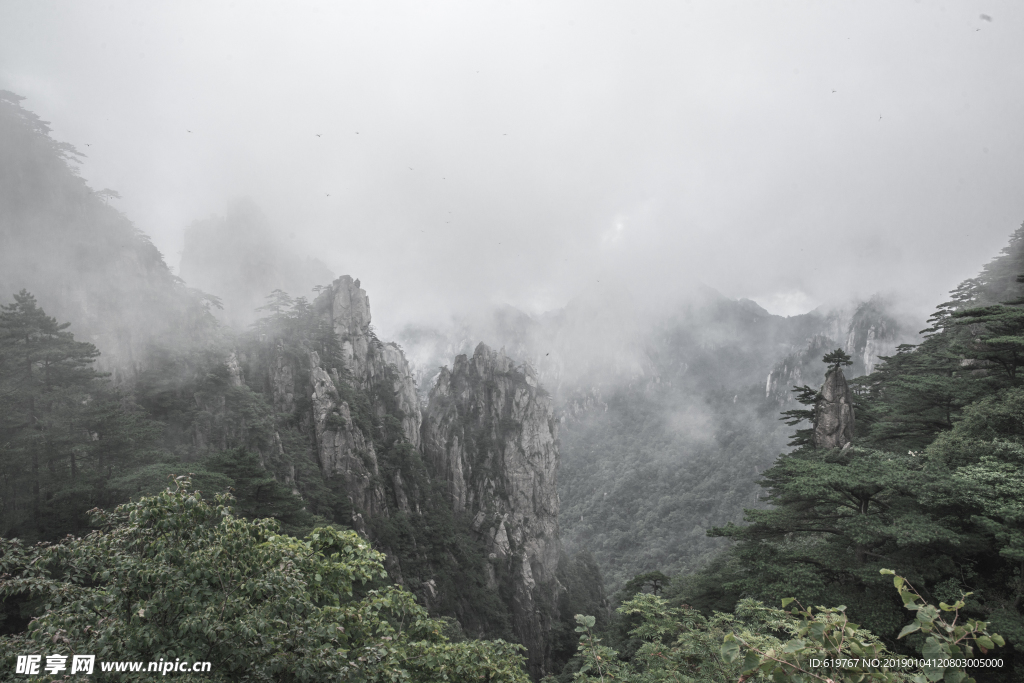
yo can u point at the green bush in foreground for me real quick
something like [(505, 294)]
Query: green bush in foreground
[(797, 646), (173, 576)]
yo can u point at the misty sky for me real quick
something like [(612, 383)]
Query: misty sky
[(481, 152)]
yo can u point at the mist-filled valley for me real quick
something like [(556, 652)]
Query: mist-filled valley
[(533, 437)]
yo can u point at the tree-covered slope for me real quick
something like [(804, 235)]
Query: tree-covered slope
[(929, 487), (83, 260)]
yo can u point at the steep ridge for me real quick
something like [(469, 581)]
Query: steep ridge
[(489, 433), (311, 392), (462, 497), (82, 259), (343, 450), (368, 361)]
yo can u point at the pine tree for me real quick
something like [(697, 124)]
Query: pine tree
[(44, 384), (808, 397), (837, 359), (258, 494), (63, 430), (835, 518)]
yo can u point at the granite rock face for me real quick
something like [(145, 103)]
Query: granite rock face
[(368, 361), (346, 451), (347, 308), (490, 435), (833, 412), (343, 450)]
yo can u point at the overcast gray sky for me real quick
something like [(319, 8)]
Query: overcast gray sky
[(482, 152)]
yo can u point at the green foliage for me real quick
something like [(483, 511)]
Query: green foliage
[(678, 643), (836, 518), (594, 657), (436, 546), (648, 582), (634, 501), (828, 636), (278, 305), (805, 396), (583, 594), (914, 396), (798, 645), (837, 359), (972, 350), (257, 493), (932, 487), (993, 337), (151, 479), (174, 576), (63, 431)]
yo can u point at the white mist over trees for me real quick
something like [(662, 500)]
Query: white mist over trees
[(241, 257)]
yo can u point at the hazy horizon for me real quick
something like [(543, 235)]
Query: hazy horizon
[(455, 156)]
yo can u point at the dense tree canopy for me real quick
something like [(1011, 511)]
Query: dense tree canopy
[(63, 431), (176, 577)]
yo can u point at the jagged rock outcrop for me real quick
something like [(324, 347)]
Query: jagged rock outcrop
[(404, 384), (833, 412), (346, 451), (368, 361), (347, 307), (343, 450), (489, 434), (490, 441)]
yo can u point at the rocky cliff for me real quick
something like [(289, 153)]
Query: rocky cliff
[(344, 451), (357, 385), (462, 499), (486, 550), (371, 364), (677, 400), (490, 435)]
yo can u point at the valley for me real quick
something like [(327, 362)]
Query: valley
[(498, 478)]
